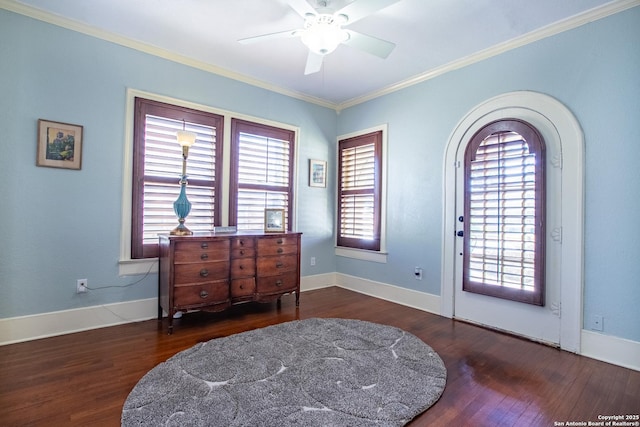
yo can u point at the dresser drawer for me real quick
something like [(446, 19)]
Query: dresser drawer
[(243, 252), (269, 266), (243, 242), (200, 272), (201, 251), (202, 294), (277, 250), (243, 287), (277, 284), (277, 246), (243, 267)]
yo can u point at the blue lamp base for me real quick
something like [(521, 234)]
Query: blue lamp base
[(182, 207)]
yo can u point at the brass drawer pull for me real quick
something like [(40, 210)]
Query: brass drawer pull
[(280, 250), (204, 272), (279, 283), (204, 256), (241, 242), (204, 294), (279, 265), (204, 245), (279, 241), (241, 267), (242, 252)]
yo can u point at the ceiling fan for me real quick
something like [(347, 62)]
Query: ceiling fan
[(323, 30)]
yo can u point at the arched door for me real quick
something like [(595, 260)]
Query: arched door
[(507, 280), (559, 320)]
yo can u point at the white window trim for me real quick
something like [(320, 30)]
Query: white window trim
[(560, 123), (127, 265), (362, 254)]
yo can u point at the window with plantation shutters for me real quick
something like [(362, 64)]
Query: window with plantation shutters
[(504, 213), (261, 173), (158, 167), (359, 187)]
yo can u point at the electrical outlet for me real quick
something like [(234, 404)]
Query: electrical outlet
[(598, 323), (81, 286), (313, 261), (417, 273)]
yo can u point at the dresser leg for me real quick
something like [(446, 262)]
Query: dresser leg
[(297, 298), (170, 321)]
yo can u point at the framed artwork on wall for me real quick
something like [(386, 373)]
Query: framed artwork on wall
[(317, 173), (273, 220), (59, 145)]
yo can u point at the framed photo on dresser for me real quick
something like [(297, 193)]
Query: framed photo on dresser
[(274, 220)]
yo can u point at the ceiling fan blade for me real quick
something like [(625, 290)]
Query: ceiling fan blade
[(314, 63), (362, 8), (369, 44), (279, 35), (302, 7)]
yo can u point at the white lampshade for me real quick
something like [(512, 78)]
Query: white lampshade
[(186, 138), (324, 34)]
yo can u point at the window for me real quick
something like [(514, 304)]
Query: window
[(157, 167), (505, 212), (152, 173), (359, 191), (262, 159)]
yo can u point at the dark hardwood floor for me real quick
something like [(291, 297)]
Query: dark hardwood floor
[(83, 379)]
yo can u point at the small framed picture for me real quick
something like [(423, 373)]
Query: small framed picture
[(274, 220), (317, 173), (59, 145)]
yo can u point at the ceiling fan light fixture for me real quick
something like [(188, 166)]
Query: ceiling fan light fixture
[(323, 30), (323, 34)]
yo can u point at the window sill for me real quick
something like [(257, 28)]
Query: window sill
[(362, 254), (133, 267)]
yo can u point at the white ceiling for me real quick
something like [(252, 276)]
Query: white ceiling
[(429, 35)]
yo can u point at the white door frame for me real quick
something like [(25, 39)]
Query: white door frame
[(560, 124)]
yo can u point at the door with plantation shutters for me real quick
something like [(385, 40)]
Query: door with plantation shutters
[(501, 232)]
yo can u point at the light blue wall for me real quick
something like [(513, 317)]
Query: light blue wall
[(595, 71), (59, 225)]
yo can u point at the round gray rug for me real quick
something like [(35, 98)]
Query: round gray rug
[(314, 372)]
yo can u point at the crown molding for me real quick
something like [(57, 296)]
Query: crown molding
[(589, 16), (576, 21), (70, 24)]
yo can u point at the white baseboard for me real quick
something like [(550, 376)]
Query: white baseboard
[(415, 299), (36, 326), (606, 348), (318, 281), (27, 328), (614, 350)]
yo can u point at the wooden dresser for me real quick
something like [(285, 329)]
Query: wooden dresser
[(211, 272)]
